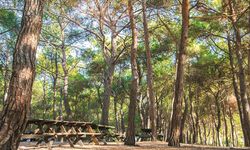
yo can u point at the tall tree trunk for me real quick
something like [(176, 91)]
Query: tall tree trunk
[(213, 136), (150, 81), (55, 76), (184, 116), (60, 105), (116, 114), (17, 106), (235, 86), (192, 125), (218, 124), (204, 132), (225, 124), (140, 110), (232, 126), (161, 120), (122, 117), (65, 76), (187, 137), (200, 135), (44, 96), (130, 134), (242, 78), (196, 128), (209, 133), (140, 93), (108, 77), (173, 139)]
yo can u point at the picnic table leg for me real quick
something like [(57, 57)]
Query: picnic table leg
[(39, 142), (90, 130), (39, 131), (78, 138), (63, 130), (49, 143)]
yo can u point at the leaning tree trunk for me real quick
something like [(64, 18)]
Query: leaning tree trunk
[(173, 139), (149, 74), (130, 134), (17, 106)]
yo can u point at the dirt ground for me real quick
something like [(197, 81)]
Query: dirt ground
[(121, 146)]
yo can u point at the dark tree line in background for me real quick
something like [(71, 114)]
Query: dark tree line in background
[(181, 68)]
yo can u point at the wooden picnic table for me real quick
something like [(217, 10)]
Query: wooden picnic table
[(71, 131), (146, 134)]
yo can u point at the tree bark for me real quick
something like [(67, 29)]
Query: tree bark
[(108, 77), (204, 132), (218, 124), (108, 74), (55, 76), (173, 139), (225, 124), (44, 96), (60, 104), (65, 76), (235, 86), (192, 132), (122, 117), (232, 126), (116, 114), (17, 107), (184, 116), (130, 134), (6, 75), (200, 135), (213, 137), (196, 128), (150, 81)]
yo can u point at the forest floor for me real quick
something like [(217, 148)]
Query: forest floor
[(121, 146)]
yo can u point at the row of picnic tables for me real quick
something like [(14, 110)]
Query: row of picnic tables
[(72, 132)]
